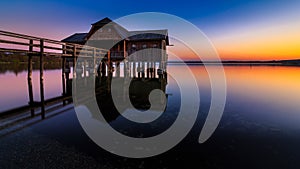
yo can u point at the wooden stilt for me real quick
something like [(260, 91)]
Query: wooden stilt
[(109, 61), (94, 62), (124, 49), (29, 78), (143, 70), (148, 69), (134, 69), (63, 78), (42, 78), (154, 69), (74, 61), (85, 66), (103, 68), (118, 69), (125, 69)]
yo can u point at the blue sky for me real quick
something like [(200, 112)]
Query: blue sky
[(216, 18), (209, 15)]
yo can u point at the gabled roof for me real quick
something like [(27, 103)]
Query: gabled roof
[(76, 38), (123, 33), (102, 22), (106, 21)]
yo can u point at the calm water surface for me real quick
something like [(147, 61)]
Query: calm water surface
[(259, 129), (14, 87)]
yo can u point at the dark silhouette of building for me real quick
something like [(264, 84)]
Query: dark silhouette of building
[(121, 42)]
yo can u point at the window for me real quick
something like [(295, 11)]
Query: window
[(133, 46), (144, 46), (109, 30), (154, 45)]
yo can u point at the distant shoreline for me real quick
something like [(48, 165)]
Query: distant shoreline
[(240, 63), (21, 58)]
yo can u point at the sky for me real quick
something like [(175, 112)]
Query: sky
[(238, 29)]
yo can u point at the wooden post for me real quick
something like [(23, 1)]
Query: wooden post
[(125, 69), (74, 61), (139, 69), (143, 68), (103, 68), (148, 69), (118, 69), (63, 78), (29, 78), (94, 61), (85, 64), (129, 69), (109, 60), (134, 69), (42, 78), (63, 75), (154, 69), (124, 49)]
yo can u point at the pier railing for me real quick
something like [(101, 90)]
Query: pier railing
[(40, 47)]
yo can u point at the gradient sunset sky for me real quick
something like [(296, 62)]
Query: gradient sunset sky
[(239, 29)]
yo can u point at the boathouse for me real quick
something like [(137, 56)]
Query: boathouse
[(121, 42)]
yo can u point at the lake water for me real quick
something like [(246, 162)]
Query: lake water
[(259, 128), (14, 87)]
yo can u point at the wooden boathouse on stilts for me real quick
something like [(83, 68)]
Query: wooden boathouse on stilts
[(142, 50), (99, 59)]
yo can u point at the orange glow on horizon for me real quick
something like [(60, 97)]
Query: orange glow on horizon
[(264, 41)]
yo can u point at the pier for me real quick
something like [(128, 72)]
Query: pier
[(33, 46), (86, 61)]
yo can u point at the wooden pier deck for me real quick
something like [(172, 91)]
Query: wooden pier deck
[(40, 47)]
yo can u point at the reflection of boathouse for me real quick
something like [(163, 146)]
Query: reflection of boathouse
[(136, 89)]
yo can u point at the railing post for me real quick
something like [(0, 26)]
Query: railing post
[(29, 78), (42, 78)]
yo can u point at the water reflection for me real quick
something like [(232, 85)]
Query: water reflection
[(17, 68), (259, 128), (139, 92), (14, 90), (127, 86)]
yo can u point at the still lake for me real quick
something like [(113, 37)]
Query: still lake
[(259, 128)]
